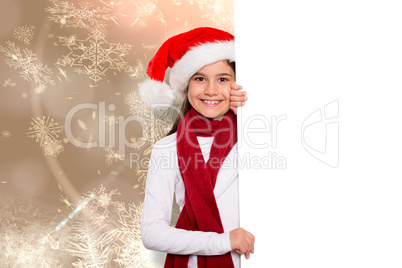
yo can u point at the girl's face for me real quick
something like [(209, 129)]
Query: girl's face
[(209, 89)]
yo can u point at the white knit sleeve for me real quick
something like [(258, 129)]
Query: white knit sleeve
[(155, 230)]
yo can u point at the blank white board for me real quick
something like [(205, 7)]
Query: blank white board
[(320, 136)]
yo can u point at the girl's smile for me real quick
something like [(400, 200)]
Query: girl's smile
[(211, 103)]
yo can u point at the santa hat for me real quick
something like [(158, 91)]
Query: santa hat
[(185, 54)]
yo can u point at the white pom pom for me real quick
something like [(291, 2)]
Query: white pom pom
[(154, 92)]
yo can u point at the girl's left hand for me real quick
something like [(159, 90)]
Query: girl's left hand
[(237, 98)]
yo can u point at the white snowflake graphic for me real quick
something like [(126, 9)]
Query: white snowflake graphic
[(23, 225), (52, 147), (26, 61), (85, 16), (112, 156), (24, 34), (133, 252), (106, 233), (9, 83), (143, 9), (45, 130), (6, 134), (216, 10), (137, 106), (104, 199), (137, 72), (97, 232), (94, 56)]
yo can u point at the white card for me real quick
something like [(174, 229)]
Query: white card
[(320, 138)]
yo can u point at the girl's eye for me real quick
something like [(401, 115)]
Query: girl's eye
[(223, 79), (199, 79)]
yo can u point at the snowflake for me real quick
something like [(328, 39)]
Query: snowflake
[(137, 106), (80, 70), (39, 89), (137, 72), (94, 56), (85, 16), (25, 60), (9, 83), (52, 147), (24, 34), (84, 235), (23, 224), (45, 130), (216, 10), (92, 237), (91, 241), (143, 9), (6, 134), (133, 252), (112, 156), (138, 143), (102, 199), (106, 233), (159, 130)]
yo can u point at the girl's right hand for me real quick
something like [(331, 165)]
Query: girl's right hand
[(242, 241), (237, 97)]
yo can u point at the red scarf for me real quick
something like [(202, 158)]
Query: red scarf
[(200, 212)]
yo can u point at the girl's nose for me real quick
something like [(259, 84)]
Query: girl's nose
[(211, 89)]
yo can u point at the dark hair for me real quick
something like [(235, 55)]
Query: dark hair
[(186, 106)]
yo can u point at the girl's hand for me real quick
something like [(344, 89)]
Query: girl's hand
[(237, 98), (242, 241)]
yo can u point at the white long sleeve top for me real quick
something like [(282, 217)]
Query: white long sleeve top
[(163, 181)]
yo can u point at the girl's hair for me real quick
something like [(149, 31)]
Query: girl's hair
[(186, 106)]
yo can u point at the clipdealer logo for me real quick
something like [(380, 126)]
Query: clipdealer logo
[(255, 129), (320, 134)]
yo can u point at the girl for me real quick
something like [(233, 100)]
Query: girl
[(197, 160)]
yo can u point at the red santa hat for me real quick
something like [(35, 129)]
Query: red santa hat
[(185, 54)]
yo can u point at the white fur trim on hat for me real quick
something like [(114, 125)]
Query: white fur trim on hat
[(155, 92), (196, 58)]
